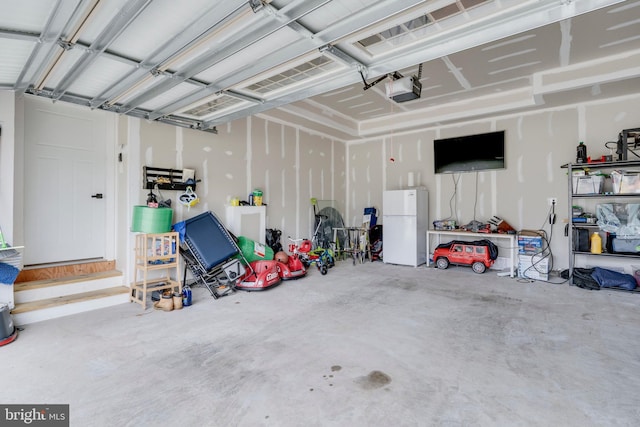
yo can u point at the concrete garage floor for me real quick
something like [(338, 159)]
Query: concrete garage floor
[(365, 345)]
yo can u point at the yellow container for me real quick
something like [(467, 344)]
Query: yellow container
[(235, 201), (596, 243)]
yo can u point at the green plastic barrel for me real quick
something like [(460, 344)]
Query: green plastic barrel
[(254, 251), (151, 220)]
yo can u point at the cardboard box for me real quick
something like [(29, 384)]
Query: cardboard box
[(530, 242), (527, 269)]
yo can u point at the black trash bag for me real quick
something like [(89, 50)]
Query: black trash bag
[(582, 278), (272, 237)]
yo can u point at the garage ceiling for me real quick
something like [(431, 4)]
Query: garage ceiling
[(199, 64)]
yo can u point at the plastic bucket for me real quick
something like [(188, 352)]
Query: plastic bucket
[(151, 220), (6, 322)]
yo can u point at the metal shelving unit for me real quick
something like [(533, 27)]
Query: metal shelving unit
[(590, 198)]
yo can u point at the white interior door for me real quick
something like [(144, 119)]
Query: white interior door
[(64, 182)]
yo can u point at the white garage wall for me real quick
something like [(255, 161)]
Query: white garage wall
[(538, 143), (290, 165)]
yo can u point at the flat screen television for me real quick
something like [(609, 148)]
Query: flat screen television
[(469, 153)]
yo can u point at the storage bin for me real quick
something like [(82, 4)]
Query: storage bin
[(588, 184), (581, 240), (625, 182), (626, 245)]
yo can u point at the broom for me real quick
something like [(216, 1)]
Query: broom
[(5, 250), (8, 272)]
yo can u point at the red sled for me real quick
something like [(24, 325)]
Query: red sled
[(262, 274)]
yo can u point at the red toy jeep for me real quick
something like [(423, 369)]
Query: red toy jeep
[(476, 254)]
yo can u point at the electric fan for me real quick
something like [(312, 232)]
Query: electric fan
[(327, 219)]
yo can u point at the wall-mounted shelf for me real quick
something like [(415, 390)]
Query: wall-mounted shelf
[(165, 179)]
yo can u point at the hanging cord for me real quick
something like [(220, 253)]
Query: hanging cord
[(392, 111), (475, 203), (545, 253), (551, 217), (453, 197), (537, 259)]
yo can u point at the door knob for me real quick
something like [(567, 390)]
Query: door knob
[(97, 196)]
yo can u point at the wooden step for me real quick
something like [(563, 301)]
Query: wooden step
[(35, 311), (52, 291), (50, 272), (69, 299), (45, 289), (44, 283)]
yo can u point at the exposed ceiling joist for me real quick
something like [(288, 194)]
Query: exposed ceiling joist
[(106, 37), (500, 25), (292, 12), (61, 19), (209, 22), (342, 28), (198, 64)]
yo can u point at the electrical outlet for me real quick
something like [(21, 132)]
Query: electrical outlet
[(552, 201)]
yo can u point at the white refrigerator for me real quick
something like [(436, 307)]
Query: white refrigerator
[(405, 220)]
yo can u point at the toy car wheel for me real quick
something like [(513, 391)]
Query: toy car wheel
[(479, 267), (323, 270), (442, 263)]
